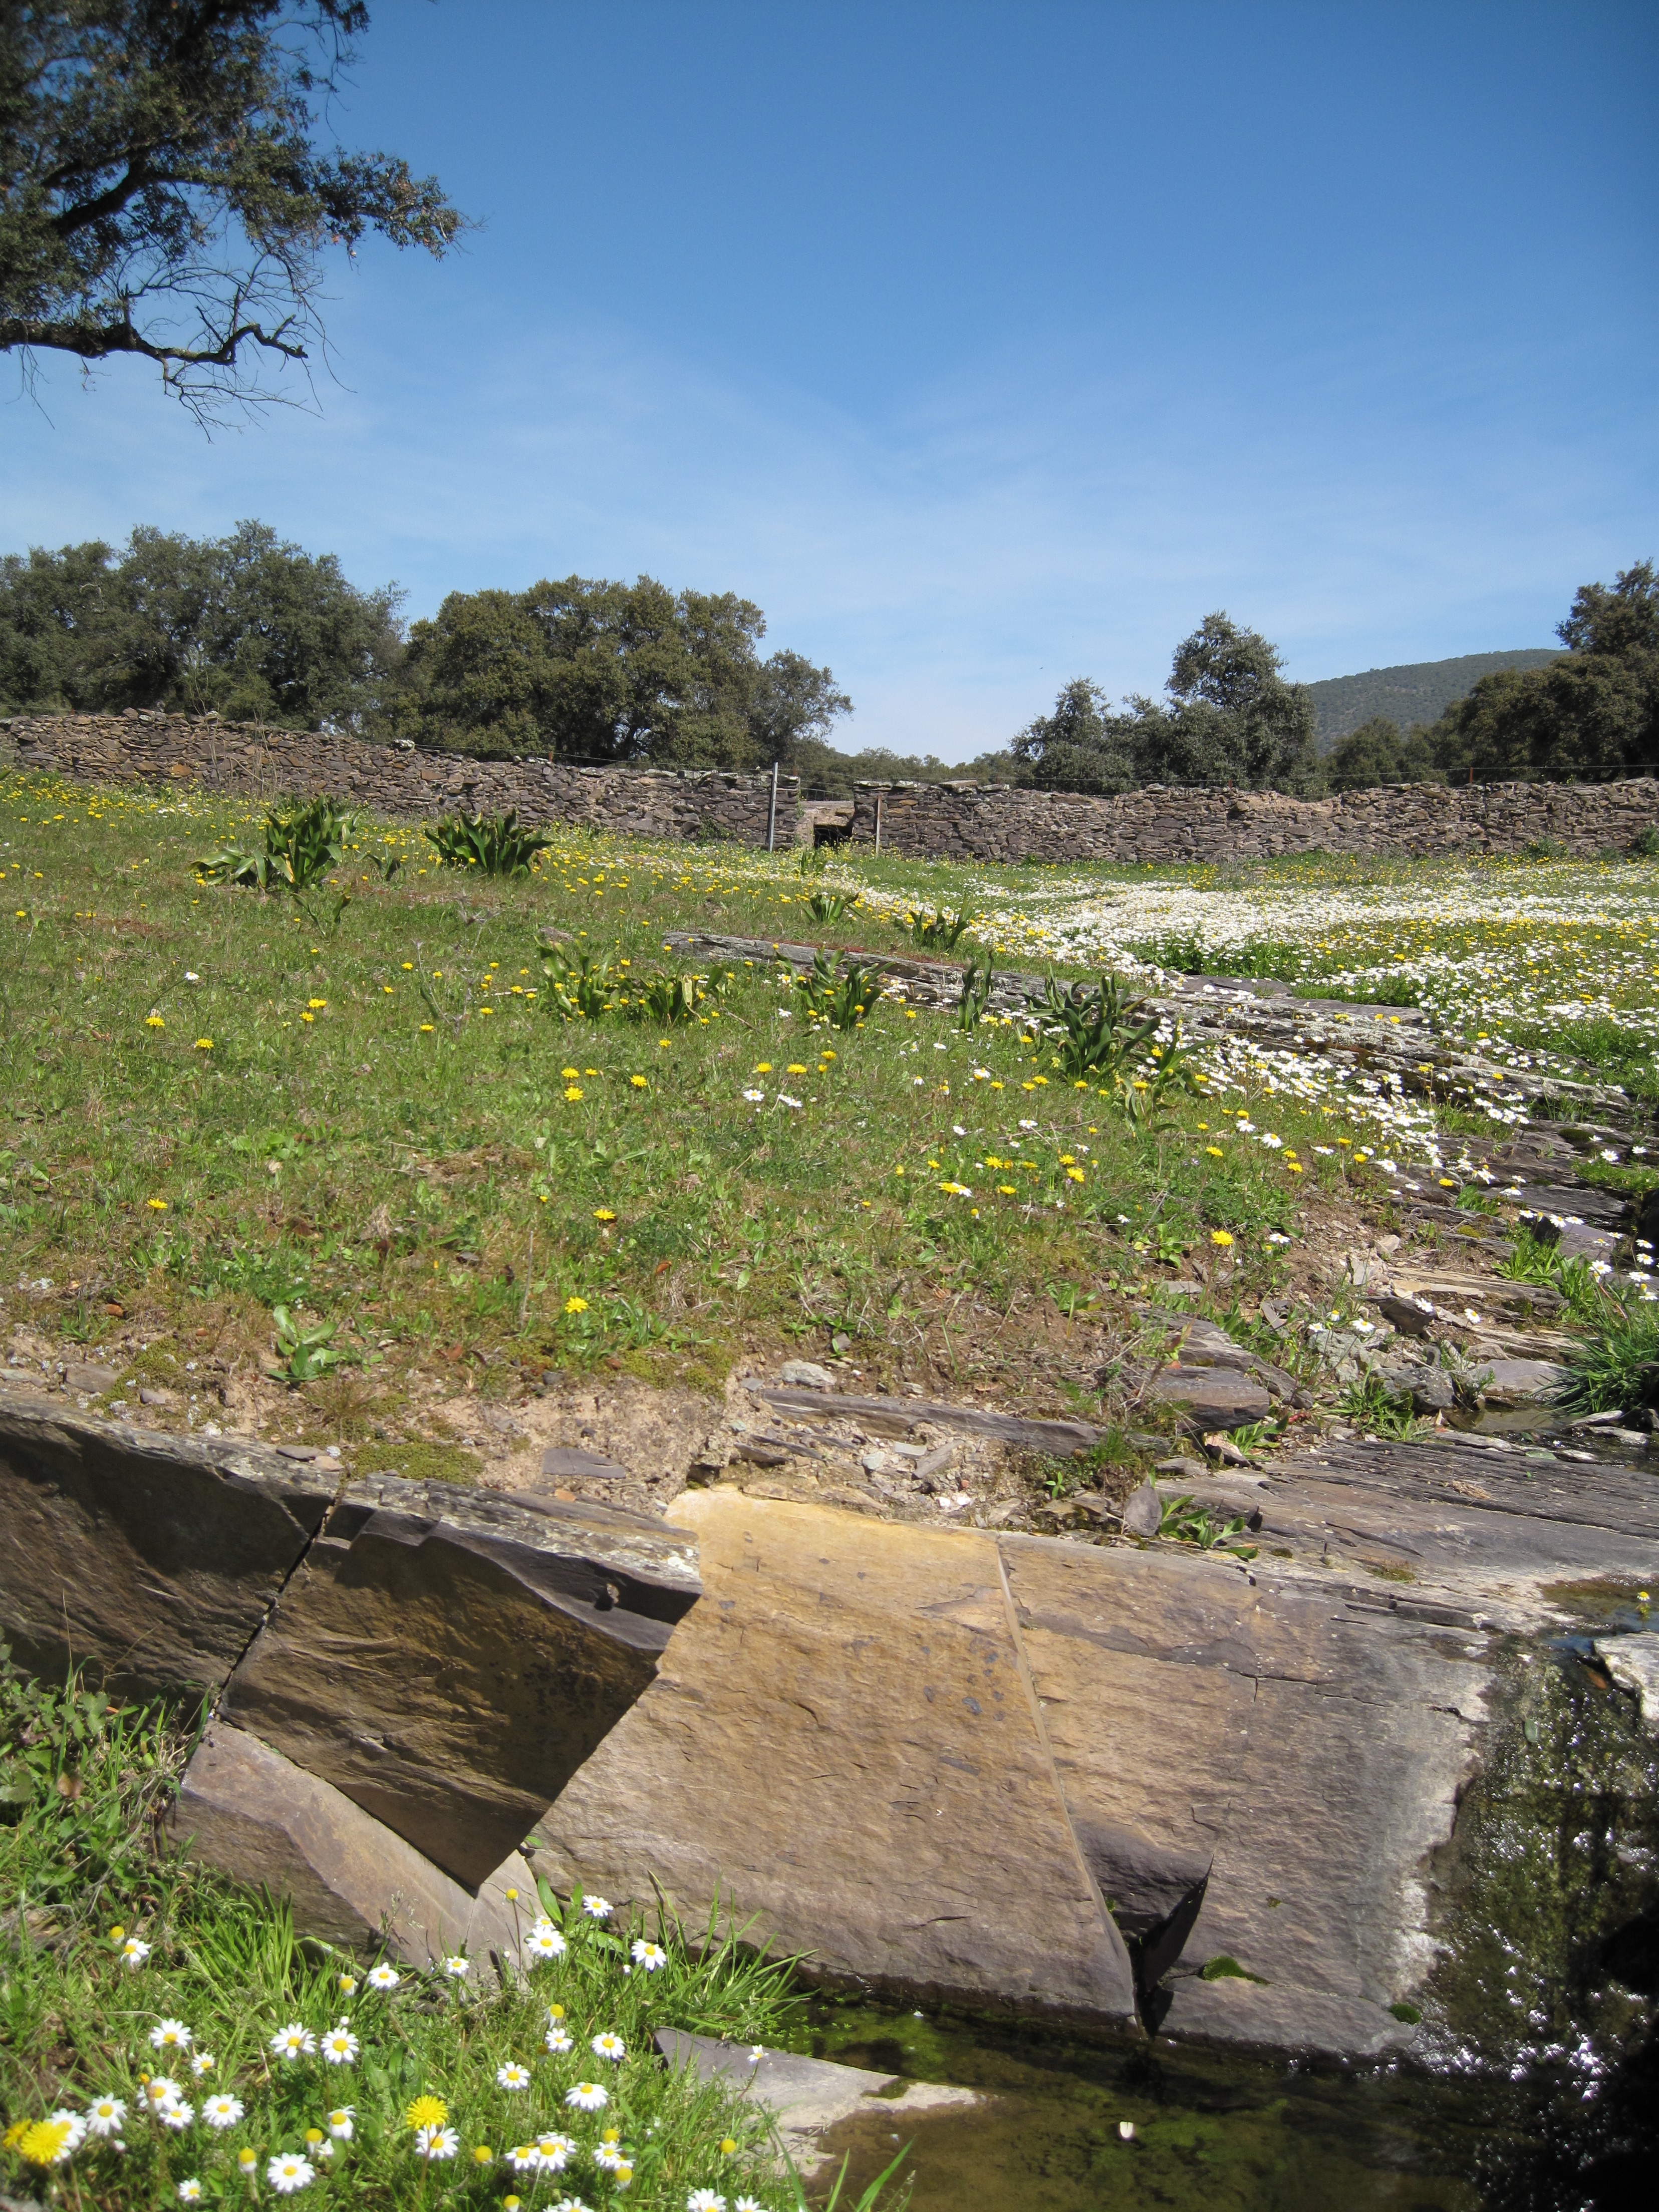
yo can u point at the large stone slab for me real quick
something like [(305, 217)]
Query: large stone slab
[(448, 1658), (806, 2096), (247, 1810), (150, 1558), (842, 1743), (1205, 1717)]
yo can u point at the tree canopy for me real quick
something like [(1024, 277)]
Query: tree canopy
[(1230, 719), (245, 626), (590, 670), (1590, 715), (160, 193)]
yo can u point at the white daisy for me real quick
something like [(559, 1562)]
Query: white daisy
[(161, 2090), (524, 2157), (558, 2041), (288, 2172), (597, 1908), (609, 2156), (436, 2143), (384, 1977), (340, 2045), (544, 1942), (555, 2151), (513, 2076), (170, 2035), (339, 2122), (587, 2097), (705, 2200), (651, 1956), (293, 2041), (177, 2115), (202, 2063), (456, 1967), (609, 2045), (190, 2192), (134, 1952), (221, 2112), (104, 2116)]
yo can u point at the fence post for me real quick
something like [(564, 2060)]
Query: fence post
[(772, 814), (878, 822)]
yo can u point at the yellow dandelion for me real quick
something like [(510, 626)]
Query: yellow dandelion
[(204, 1044), (572, 1091), (1222, 1237), (158, 1204), (426, 2113), (426, 1029), (570, 1073), (603, 1213), (639, 1082), (575, 1305)]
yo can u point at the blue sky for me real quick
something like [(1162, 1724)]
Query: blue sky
[(983, 346)]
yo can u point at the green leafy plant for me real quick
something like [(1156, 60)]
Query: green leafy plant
[(1618, 1366), (579, 984), (306, 1351), (830, 906), (811, 859), (1103, 1037), (1646, 845), (494, 844), (937, 933), (1380, 1411), (300, 846), (1186, 1522), (976, 998), (842, 1000)]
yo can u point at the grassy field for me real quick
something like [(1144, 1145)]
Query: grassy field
[(350, 1137)]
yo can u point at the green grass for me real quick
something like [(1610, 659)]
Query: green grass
[(361, 1107), (81, 1785)]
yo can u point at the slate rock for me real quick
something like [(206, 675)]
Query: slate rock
[(806, 1375), (245, 1810), (448, 1658), (1633, 1663), (1211, 1397), (566, 1464), (1523, 1381), (149, 1559), (842, 1742), (806, 2096), (1143, 1511)]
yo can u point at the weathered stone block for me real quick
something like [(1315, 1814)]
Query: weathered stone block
[(843, 1742), (244, 1810), (448, 1658), (150, 1558)]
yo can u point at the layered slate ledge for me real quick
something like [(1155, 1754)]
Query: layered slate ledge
[(152, 1560), (405, 1675), (447, 1658)]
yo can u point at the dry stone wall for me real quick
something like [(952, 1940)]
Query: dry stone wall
[(257, 762), (994, 821), (938, 821)]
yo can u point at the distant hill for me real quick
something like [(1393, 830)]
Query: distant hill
[(1419, 691)]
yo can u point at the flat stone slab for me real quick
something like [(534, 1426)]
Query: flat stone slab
[(247, 1810), (150, 1558), (807, 2096), (1061, 1437), (1212, 1397), (842, 1743), (448, 1658), (1633, 1663)]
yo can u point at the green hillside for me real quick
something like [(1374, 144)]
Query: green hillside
[(1417, 691)]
